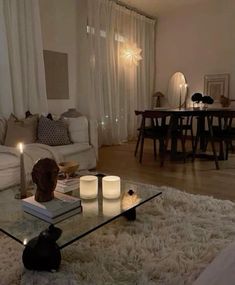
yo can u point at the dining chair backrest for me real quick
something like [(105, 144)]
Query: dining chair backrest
[(224, 120), (157, 119)]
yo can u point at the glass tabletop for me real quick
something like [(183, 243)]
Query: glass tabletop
[(95, 213)]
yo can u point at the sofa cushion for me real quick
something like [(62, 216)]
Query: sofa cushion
[(53, 132), (72, 148), (21, 130), (78, 129), (29, 114)]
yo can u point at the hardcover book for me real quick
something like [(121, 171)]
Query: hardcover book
[(55, 219), (65, 189), (68, 182), (61, 203)]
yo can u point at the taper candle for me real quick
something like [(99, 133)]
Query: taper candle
[(23, 192), (185, 94), (180, 103)]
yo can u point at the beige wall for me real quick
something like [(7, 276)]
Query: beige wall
[(197, 40), (63, 30)]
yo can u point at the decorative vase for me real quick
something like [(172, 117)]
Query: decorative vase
[(196, 105)]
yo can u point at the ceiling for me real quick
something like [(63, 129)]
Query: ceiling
[(155, 8)]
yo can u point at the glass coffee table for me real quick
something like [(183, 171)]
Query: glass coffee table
[(96, 213)]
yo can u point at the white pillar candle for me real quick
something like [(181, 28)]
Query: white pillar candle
[(88, 187), (23, 192), (111, 208), (111, 186), (90, 208)]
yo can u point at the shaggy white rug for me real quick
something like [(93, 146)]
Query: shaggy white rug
[(173, 239)]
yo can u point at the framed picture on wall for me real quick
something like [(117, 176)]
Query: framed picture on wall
[(216, 85), (56, 73)]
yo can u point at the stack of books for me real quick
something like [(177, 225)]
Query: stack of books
[(67, 184), (60, 208)]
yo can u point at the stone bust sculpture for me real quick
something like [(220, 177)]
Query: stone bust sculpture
[(44, 175)]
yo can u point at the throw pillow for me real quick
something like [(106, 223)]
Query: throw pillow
[(52, 132), (49, 116), (24, 130), (29, 114), (78, 129)]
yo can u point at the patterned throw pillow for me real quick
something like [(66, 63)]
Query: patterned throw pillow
[(52, 132)]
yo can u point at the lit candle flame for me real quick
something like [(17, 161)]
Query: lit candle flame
[(21, 147)]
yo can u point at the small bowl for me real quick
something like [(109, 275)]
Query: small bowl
[(68, 167)]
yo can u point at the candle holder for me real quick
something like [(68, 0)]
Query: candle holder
[(88, 187), (23, 193), (111, 186)]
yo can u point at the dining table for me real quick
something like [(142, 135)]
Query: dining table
[(203, 116)]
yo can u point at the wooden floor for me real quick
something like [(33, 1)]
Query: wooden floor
[(199, 177)]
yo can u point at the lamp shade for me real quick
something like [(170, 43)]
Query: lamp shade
[(131, 54), (88, 187), (111, 186)]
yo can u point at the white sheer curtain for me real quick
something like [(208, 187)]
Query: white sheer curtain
[(22, 76), (117, 87)]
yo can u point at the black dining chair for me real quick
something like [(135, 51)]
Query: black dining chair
[(162, 126), (186, 125), (138, 113), (220, 131), (178, 130), (153, 123), (153, 126)]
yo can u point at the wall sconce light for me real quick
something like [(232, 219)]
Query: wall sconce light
[(131, 54)]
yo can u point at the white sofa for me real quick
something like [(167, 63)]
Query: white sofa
[(221, 270), (84, 150)]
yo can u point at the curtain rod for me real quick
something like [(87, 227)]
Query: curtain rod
[(134, 9)]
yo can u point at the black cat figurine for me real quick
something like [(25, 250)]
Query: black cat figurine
[(42, 253)]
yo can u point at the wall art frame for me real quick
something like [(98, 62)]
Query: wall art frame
[(216, 85), (56, 74)]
